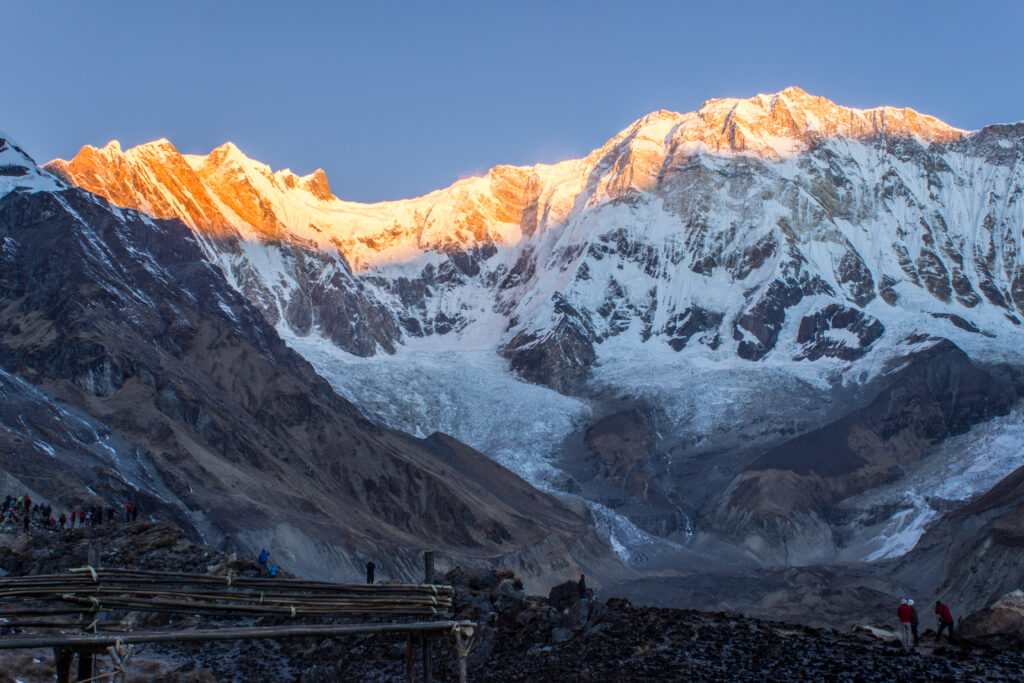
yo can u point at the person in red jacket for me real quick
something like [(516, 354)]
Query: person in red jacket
[(905, 613), (945, 620)]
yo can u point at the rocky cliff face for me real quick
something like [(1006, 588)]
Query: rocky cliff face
[(973, 556), (785, 502), (739, 277), (131, 368)]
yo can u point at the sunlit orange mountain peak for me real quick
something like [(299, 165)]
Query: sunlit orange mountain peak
[(226, 191)]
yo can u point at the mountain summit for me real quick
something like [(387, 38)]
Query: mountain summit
[(226, 189)]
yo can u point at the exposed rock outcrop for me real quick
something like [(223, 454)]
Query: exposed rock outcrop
[(779, 507)]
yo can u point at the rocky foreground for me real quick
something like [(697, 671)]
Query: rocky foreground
[(520, 637)]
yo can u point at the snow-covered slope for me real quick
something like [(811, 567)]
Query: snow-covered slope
[(741, 275)]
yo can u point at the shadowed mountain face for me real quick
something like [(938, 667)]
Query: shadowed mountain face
[(784, 500), (131, 368), (974, 555)]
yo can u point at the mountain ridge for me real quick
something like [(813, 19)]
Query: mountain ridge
[(729, 125), (714, 293)]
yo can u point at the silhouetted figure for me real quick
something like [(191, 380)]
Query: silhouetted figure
[(914, 622), (63, 520), (264, 558), (583, 585), (370, 566), (945, 620), (24, 523)]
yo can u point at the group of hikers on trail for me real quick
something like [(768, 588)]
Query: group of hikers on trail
[(266, 570), (21, 511), (907, 615)]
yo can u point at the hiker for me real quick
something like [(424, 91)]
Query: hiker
[(583, 586), (904, 613), (62, 521), (914, 621), (24, 523), (945, 620), (135, 512), (370, 566), (264, 558), (127, 512), (273, 570)]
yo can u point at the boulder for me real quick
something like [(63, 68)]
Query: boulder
[(564, 595), (486, 580), (1000, 625), (579, 615)]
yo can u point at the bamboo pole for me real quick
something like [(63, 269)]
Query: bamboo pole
[(194, 635), (410, 658)]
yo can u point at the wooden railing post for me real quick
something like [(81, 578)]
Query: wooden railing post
[(84, 665), (84, 657), (428, 578), (62, 660), (461, 653), (94, 554), (410, 658)]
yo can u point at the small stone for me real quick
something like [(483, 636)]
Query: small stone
[(560, 635)]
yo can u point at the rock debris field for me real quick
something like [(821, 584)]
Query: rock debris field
[(519, 638)]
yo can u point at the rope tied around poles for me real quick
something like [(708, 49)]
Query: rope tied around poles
[(119, 653), (87, 568)]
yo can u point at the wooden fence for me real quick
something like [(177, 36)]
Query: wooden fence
[(76, 613)]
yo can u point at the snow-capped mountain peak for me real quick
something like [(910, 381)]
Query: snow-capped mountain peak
[(19, 171), (779, 246)]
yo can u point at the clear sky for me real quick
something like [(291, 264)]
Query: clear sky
[(396, 99)]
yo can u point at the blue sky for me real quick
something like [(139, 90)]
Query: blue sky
[(396, 99)]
